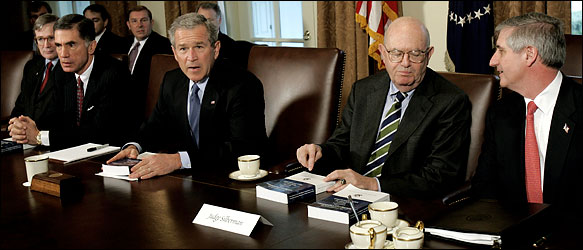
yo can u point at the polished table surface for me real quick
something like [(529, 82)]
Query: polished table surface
[(158, 213)]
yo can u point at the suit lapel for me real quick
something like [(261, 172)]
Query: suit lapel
[(208, 106), (374, 112), (560, 134)]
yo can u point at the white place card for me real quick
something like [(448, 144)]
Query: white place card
[(228, 220)]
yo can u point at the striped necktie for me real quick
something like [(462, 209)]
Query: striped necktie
[(388, 129)]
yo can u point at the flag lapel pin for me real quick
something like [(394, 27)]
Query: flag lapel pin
[(566, 128)]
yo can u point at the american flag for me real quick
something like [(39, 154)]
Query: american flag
[(375, 17)]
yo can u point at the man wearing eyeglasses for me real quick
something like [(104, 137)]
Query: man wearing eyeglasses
[(405, 133), (37, 89)]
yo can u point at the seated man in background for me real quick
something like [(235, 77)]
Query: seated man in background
[(229, 48), (405, 132), (533, 139), (40, 76), (89, 100), (208, 112), (107, 41)]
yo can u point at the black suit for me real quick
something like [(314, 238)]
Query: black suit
[(103, 119), (237, 52), (232, 120), (428, 155), (110, 43), (39, 106), (500, 172)]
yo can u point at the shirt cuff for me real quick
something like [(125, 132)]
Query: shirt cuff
[(135, 145), (378, 184), (185, 160), (44, 138)]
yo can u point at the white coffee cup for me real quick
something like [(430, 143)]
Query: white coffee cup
[(249, 165), (34, 165), (368, 233), (409, 237), (385, 211)]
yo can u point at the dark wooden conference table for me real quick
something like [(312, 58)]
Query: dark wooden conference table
[(158, 213)]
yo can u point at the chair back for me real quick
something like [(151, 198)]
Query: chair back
[(302, 96), (482, 91), (160, 64), (12, 67), (572, 66)]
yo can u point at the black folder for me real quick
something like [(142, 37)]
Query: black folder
[(518, 225)]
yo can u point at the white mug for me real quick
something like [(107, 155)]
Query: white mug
[(34, 165), (409, 237), (249, 165), (368, 234), (385, 211)]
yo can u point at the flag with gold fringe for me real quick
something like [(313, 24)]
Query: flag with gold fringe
[(375, 17)]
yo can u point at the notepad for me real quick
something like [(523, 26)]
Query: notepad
[(77, 153)]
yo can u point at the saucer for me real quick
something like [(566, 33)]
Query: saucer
[(237, 176), (398, 224), (388, 245)]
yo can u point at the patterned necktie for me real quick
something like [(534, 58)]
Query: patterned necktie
[(388, 129), (194, 115), (534, 192), (133, 55), (48, 70), (79, 100)]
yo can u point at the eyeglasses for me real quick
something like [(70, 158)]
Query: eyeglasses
[(41, 40), (415, 56)]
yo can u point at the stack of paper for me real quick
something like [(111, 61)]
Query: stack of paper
[(297, 187), (80, 152), (119, 169)]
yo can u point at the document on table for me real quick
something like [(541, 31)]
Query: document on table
[(24, 146), (80, 152)]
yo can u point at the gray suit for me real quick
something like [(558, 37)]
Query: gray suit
[(429, 152)]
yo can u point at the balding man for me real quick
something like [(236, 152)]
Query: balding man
[(405, 132)]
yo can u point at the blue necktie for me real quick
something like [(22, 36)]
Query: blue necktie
[(388, 130), (194, 115)]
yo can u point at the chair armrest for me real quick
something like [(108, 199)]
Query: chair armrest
[(460, 194)]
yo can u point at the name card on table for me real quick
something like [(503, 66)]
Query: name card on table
[(228, 220)]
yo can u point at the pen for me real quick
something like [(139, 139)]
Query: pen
[(97, 148)]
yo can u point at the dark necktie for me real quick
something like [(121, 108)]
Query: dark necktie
[(534, 192), (194, 115), (79, 100), (133, 55), (47, 71), (388, 129)]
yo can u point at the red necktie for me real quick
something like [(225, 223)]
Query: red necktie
[(534, 193), (79, 100), (49, 66)]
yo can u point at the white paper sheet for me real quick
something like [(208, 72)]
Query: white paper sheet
[(73, 154)]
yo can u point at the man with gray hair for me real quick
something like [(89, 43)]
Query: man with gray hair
[(208, 112), (40, 75), (88, 98), (533, 140)]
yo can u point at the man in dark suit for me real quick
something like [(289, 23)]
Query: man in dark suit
[(25, 40), (208, 112), (41, 74), (89, 100), (141, 46), (533, 139), (107, 41), (405, 132), (237, 53)]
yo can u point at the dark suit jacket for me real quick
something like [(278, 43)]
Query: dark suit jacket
[(500, 172), (428, 155), (237, 52), (104, 107), (232, 120), (111, 43), (41, 107)]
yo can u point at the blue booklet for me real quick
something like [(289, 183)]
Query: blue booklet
[(301, 186)]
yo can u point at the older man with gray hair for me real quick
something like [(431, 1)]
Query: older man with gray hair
[(208, 112)]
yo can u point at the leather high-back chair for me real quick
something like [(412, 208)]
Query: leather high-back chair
[(302, 96), (482, 91), (160, 64), (12, 67), (572, 66)]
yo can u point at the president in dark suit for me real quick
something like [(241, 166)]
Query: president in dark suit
[(405, 132), (533, 140), (208, 112), (40, 76), (107, 41), (89, 100)]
